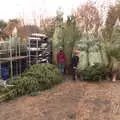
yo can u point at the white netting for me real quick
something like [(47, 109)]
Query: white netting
[(94, 57), (83, 60)]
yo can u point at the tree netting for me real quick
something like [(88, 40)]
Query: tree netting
[(94, 52), (83, 60), (104, 56), (91, 52), (83, 56)]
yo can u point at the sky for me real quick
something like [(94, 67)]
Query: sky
[(29, 9)]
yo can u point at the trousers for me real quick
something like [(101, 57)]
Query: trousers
[(74, 73), (61, 67)]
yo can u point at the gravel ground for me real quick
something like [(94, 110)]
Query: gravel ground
[(67, 101)]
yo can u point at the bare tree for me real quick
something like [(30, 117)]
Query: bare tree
[(112, 17), (88, 20), (87, 17), (47, 25)]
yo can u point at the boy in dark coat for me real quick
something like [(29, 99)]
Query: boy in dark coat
[(74, 63)]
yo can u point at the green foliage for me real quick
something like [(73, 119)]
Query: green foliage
[(39, 77), (111, 36), (57, 41), (65, 36), (71, 35), (113, 54), (3, 90), (95, 73), (83, 61), (2, 24)]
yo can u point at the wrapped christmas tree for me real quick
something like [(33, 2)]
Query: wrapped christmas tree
[(94, 51), (83, 56)]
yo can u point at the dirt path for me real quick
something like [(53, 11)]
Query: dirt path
[(68, 101)]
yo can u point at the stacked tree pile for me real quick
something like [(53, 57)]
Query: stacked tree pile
[(37, 78)]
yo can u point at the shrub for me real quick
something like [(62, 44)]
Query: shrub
[(118, 76), (37, 78), (95, 73)]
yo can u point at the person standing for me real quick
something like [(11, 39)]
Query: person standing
[(61, 60), (74, 63)]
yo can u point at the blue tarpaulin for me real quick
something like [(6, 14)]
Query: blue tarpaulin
[(4, 72)]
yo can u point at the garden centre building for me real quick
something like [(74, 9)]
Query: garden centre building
[(16, 55)]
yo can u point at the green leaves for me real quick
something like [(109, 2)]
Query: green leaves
[(95, 73), (113, 53), (39, 77), (71, 36)]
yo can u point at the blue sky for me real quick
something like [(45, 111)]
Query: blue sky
[(29, 8)]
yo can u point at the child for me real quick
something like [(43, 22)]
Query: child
[(61, 60), (74, 63)]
